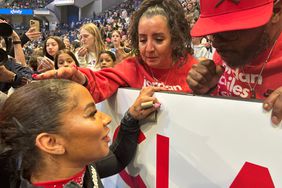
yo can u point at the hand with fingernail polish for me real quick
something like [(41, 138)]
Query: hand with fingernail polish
[(70, 73), (145, 103)]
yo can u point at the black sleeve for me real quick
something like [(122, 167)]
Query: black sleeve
[(24, 40), (122, 149)]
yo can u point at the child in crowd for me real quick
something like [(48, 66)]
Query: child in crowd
[(106, 59), (51, 47), (65, 58)]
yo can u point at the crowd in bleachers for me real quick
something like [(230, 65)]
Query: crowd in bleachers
[(25, 4), (117, 19)]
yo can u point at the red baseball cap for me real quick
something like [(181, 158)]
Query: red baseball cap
[(227, 15)]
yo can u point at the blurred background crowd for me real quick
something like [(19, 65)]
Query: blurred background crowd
[(111, 24)]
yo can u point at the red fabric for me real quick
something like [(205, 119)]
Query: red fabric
[(77, 178), (252, 175), (235, 83), (130, 73), (229, 15)]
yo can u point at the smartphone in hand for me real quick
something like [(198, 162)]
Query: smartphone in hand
[(44, 64), (35, 24)]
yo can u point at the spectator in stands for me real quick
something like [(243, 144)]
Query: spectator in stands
[(248, 39), (118, 49), (200, 50), (52, 135), (67, 43), (16, 42), (106, 59), (161, 43), (32, 62), (12, 73), (91, 46), (51, 47), (65, 58), (191, 9), (34, 4)]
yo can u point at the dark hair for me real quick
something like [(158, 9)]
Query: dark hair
[(179, 28), (111, 54), (32, 109), (32, 62), (60, 44), (65, 51)]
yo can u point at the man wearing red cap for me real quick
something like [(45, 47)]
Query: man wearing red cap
[(248, 63)]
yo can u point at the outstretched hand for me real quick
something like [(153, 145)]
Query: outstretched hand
[(146, 95), (70, 73), (274, 103)]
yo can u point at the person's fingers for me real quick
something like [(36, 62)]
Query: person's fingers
[(45, 65), (49, 62), (270, 100), (51, 74), (34, 34), (82, 51), (148, 111), (219, 70), (276, 115), (197, 87), (48, 75), (274, 102), (200, 74), (156, 89), (209, 65), (31, 29), (149, 91), (143, 106), (41, 67)]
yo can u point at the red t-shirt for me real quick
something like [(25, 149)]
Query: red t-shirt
[(131, 73), (237, 82)]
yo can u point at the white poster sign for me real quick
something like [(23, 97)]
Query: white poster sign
[(200, 142)]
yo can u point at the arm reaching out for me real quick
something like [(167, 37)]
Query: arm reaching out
[(123, 148)]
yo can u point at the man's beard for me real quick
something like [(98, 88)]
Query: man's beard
[(251, 52)]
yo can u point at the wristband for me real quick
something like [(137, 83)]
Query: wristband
[(17, 42)]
